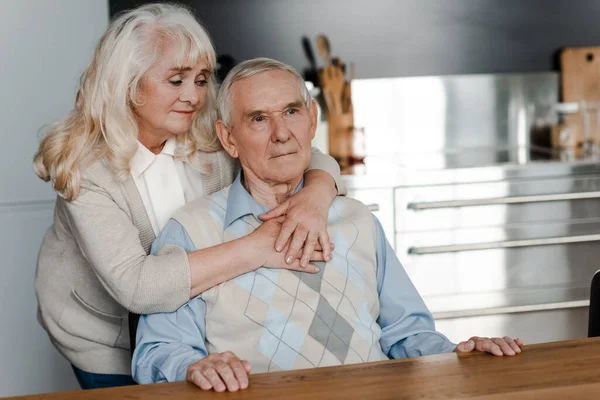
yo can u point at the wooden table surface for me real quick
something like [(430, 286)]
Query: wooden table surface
[(559, 370)]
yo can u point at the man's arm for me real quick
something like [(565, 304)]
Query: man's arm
[(407, 326), (168, 343)]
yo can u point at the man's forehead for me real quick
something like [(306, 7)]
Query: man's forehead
[(267, 90)]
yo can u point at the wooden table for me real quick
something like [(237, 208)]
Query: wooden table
[(560, 370)]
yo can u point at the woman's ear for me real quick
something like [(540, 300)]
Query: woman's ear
[(224, 134)]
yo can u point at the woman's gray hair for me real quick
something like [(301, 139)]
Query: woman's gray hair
[(248, 69), (103, 123)]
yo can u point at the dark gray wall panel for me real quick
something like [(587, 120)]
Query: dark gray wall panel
[(404, 37)]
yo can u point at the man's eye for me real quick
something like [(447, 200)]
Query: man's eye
[(292, 111), (177, 82), (259, 118)]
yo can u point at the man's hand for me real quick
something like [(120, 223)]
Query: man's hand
[(220, 371), (496, 346), (263, 239), (305, 224)]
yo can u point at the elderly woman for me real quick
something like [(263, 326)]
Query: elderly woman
[(139, 144), (361, 307)]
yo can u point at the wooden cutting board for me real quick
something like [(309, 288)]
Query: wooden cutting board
[(580, 81)]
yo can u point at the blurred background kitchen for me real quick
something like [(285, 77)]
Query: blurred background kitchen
[(469, 128)]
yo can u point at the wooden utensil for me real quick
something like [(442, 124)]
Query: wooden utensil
[(580, 81), (324, 49)]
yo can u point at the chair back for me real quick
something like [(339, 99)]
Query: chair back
[(594, 322)]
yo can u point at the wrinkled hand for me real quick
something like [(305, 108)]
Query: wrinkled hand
[(220, 371), (305, 225), (263, 239), (496, 346)]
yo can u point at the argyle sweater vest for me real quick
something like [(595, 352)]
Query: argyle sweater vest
[(279, 319)]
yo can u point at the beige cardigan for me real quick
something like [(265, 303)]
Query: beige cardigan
[(94, 267)]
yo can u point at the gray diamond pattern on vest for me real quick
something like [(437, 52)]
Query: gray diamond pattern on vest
[(331, 330), (313, 281)]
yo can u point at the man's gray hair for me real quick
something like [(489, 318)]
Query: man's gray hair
[(248, 69)]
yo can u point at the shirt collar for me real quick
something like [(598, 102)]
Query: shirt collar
[(143, 157), (240, 203)]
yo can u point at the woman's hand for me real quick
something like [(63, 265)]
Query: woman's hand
[(305, 224), (220, 371), (262, 243)]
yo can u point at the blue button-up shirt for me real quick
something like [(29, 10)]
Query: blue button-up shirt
[(167, 343)]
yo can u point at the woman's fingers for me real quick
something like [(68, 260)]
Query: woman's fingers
[(326, 245), (309, 247), (275, 212)]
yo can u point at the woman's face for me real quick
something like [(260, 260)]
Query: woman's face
[(171, 96)]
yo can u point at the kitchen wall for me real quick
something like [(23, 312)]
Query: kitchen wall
[(389, 38), (44, 47)]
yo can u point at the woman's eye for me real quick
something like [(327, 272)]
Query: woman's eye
[(201, 83), (176, 82)]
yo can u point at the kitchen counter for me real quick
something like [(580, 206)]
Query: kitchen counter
[(467, 166)]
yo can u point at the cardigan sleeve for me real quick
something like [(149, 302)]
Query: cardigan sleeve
[(110, 243), (328, 164)]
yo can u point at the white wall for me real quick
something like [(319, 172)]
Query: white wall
[(44, 47)]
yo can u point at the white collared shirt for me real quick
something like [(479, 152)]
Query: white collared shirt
[(165, 183)]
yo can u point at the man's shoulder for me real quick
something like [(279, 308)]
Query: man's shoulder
[(350, 205)]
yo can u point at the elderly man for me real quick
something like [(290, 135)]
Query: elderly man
[(359, 307)]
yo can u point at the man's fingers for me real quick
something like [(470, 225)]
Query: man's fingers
[(504, 346), (465, 347), (227, 376), (519, 342), (199, 380), (247, 366), (275, 212), (512, 343), (214, 379), (240, 373), (488, 346)]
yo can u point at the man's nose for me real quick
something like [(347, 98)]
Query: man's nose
[(189, 94), (280, 130)]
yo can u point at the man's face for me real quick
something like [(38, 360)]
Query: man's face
[(271, 126)]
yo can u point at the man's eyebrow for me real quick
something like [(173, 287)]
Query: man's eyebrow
[(295, 104)]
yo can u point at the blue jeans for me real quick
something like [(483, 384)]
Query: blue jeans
[(89, 380)]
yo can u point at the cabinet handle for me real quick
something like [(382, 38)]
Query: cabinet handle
[(503, 244), (373, 207), (502, 200)]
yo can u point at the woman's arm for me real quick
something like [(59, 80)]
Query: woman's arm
[(305, 226), (144, 284), (217, 262)]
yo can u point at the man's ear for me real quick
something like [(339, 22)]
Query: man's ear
[(314, 115), (224, 134)]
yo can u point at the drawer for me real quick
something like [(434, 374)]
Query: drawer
[(496, 203), (380, 201), (494, 259)]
